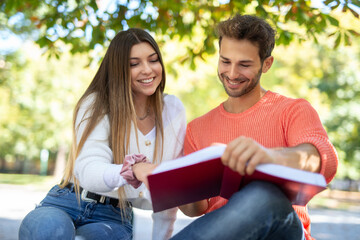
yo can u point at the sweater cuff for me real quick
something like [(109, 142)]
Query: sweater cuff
[(327, 154), (112, 177)]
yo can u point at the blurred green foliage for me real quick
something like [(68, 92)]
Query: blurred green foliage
[(86, 23), (37, 97), (330, 80)]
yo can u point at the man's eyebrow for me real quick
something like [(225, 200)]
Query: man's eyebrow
[(148, 56), (241, 61), (224, 57)]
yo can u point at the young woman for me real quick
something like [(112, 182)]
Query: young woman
[(123, 126)]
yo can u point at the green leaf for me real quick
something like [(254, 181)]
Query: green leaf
[(353, 32), (337, 41), (356, 14), (333, 21), (327, 2), (332, 34), (347, 39)]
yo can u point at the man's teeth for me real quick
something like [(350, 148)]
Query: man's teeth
[(235, 82), (147, 80), (232, 82)]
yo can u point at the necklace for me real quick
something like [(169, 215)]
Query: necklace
[(145, 116)]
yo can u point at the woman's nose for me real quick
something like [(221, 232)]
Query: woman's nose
[(146, 69)]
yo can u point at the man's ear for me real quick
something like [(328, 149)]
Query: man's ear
[(267, 64)]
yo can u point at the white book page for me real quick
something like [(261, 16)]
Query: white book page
[(216, 151), (191, 159), (292, 174)]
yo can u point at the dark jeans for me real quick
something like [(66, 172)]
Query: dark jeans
[(258, 211)]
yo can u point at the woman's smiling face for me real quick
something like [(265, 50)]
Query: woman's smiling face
[(146, 69)]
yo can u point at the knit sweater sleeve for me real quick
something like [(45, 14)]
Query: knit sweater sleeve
[(95, 157), (303, 125)]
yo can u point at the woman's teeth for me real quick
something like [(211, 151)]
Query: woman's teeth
[(147, 80)]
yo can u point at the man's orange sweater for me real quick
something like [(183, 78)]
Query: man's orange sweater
[(274, 121)]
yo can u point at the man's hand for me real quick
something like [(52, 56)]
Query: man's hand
[(142, 170), (244, 154)]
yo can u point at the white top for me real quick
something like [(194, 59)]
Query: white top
[(94, 166)]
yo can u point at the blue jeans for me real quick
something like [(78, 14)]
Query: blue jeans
[(258, 211), (59, 216)]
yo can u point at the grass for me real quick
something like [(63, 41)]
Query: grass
[(336, 199), (40, 182), (23, 179)]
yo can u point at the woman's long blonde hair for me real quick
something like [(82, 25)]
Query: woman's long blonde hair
[(113, 97)]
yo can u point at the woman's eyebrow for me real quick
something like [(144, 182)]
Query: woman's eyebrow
[(148, 56)]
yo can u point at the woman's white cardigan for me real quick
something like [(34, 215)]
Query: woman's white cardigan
[(96, 172)]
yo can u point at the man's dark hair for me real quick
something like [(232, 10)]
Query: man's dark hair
[(251, 28)]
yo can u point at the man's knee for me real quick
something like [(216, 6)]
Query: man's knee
[(259, 196)]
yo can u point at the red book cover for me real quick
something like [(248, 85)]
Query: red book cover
[(201, 175)]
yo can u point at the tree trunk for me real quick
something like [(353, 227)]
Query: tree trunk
[(60, 162), (2, 165)]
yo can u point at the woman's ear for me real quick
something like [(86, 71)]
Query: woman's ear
[(267, 64)]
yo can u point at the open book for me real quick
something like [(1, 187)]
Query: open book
[(201, 175)]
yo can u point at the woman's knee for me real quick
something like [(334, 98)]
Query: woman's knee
[(105, 230), (47, 223)]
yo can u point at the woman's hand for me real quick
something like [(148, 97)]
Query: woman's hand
[(142, 170)]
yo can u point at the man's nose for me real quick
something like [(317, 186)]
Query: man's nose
[(232, 72)]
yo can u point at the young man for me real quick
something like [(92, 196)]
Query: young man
[(258, 126)]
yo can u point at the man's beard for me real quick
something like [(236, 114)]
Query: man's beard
[(235, 94)]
